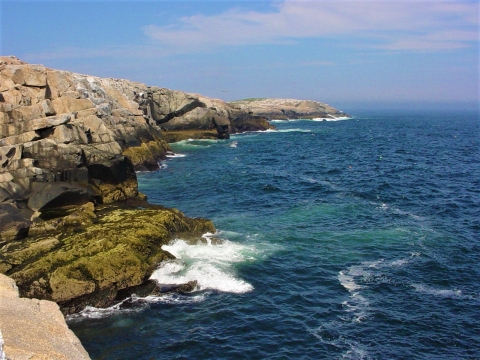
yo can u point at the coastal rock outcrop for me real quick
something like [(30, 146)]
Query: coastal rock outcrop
[(90, 256), (70, 144), (34, 329), (284, 109), (62, 127), (73, 227), (178, 111), (63, 137)]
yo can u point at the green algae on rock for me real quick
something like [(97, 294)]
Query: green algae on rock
[(91, 265), (146, 156)]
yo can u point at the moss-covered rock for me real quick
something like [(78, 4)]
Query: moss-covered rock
[(146, 156), (172, 136), (78, 266)]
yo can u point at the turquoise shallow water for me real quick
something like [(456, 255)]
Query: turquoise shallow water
[(354, 239)]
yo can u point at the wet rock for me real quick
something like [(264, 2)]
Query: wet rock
[(175, 288)]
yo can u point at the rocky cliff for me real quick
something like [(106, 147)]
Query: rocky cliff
[(73, 227), (68, 139), (284, 109), (34, 329)]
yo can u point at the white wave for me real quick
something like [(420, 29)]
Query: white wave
[(91, 312), (136, 304), (175, 155), (210, 265), (339, 118), (289, 130), (234, 144), (196, 143)]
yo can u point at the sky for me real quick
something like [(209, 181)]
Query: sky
[(349, 54)]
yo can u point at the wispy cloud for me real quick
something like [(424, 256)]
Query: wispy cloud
[(392, 25), (405, 25)]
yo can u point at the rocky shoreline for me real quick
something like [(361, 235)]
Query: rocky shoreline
[(74, 228), (288, 109)]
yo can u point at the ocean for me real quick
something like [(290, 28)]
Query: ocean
[(351, 239)]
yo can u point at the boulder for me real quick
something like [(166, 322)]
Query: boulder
[(34, 75)]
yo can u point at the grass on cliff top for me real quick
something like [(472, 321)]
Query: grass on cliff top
[(247, 100)]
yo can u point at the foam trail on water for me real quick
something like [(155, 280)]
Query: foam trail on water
[(315, 119), (210, 265), (172, 155), (332, 118), (288, 130), (445, 293), (196, 142)]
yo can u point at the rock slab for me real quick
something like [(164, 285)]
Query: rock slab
[(34, 329)]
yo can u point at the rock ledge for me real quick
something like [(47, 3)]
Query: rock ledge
[(34, 329)]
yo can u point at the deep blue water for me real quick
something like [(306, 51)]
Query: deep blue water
[(354, 239)]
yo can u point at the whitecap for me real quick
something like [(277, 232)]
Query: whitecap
[(348, 281), (210, 265)]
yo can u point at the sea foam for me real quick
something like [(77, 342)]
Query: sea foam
[(212, 266)]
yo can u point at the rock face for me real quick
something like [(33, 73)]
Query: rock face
[(34, 329), (59, 128), (176, 110), (63, 137), (284, 109)]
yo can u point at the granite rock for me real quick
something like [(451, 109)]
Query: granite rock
[(34, 329)]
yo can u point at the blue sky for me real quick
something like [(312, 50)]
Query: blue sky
[(345, 53)]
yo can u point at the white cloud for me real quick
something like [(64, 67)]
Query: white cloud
[(397, 25)]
